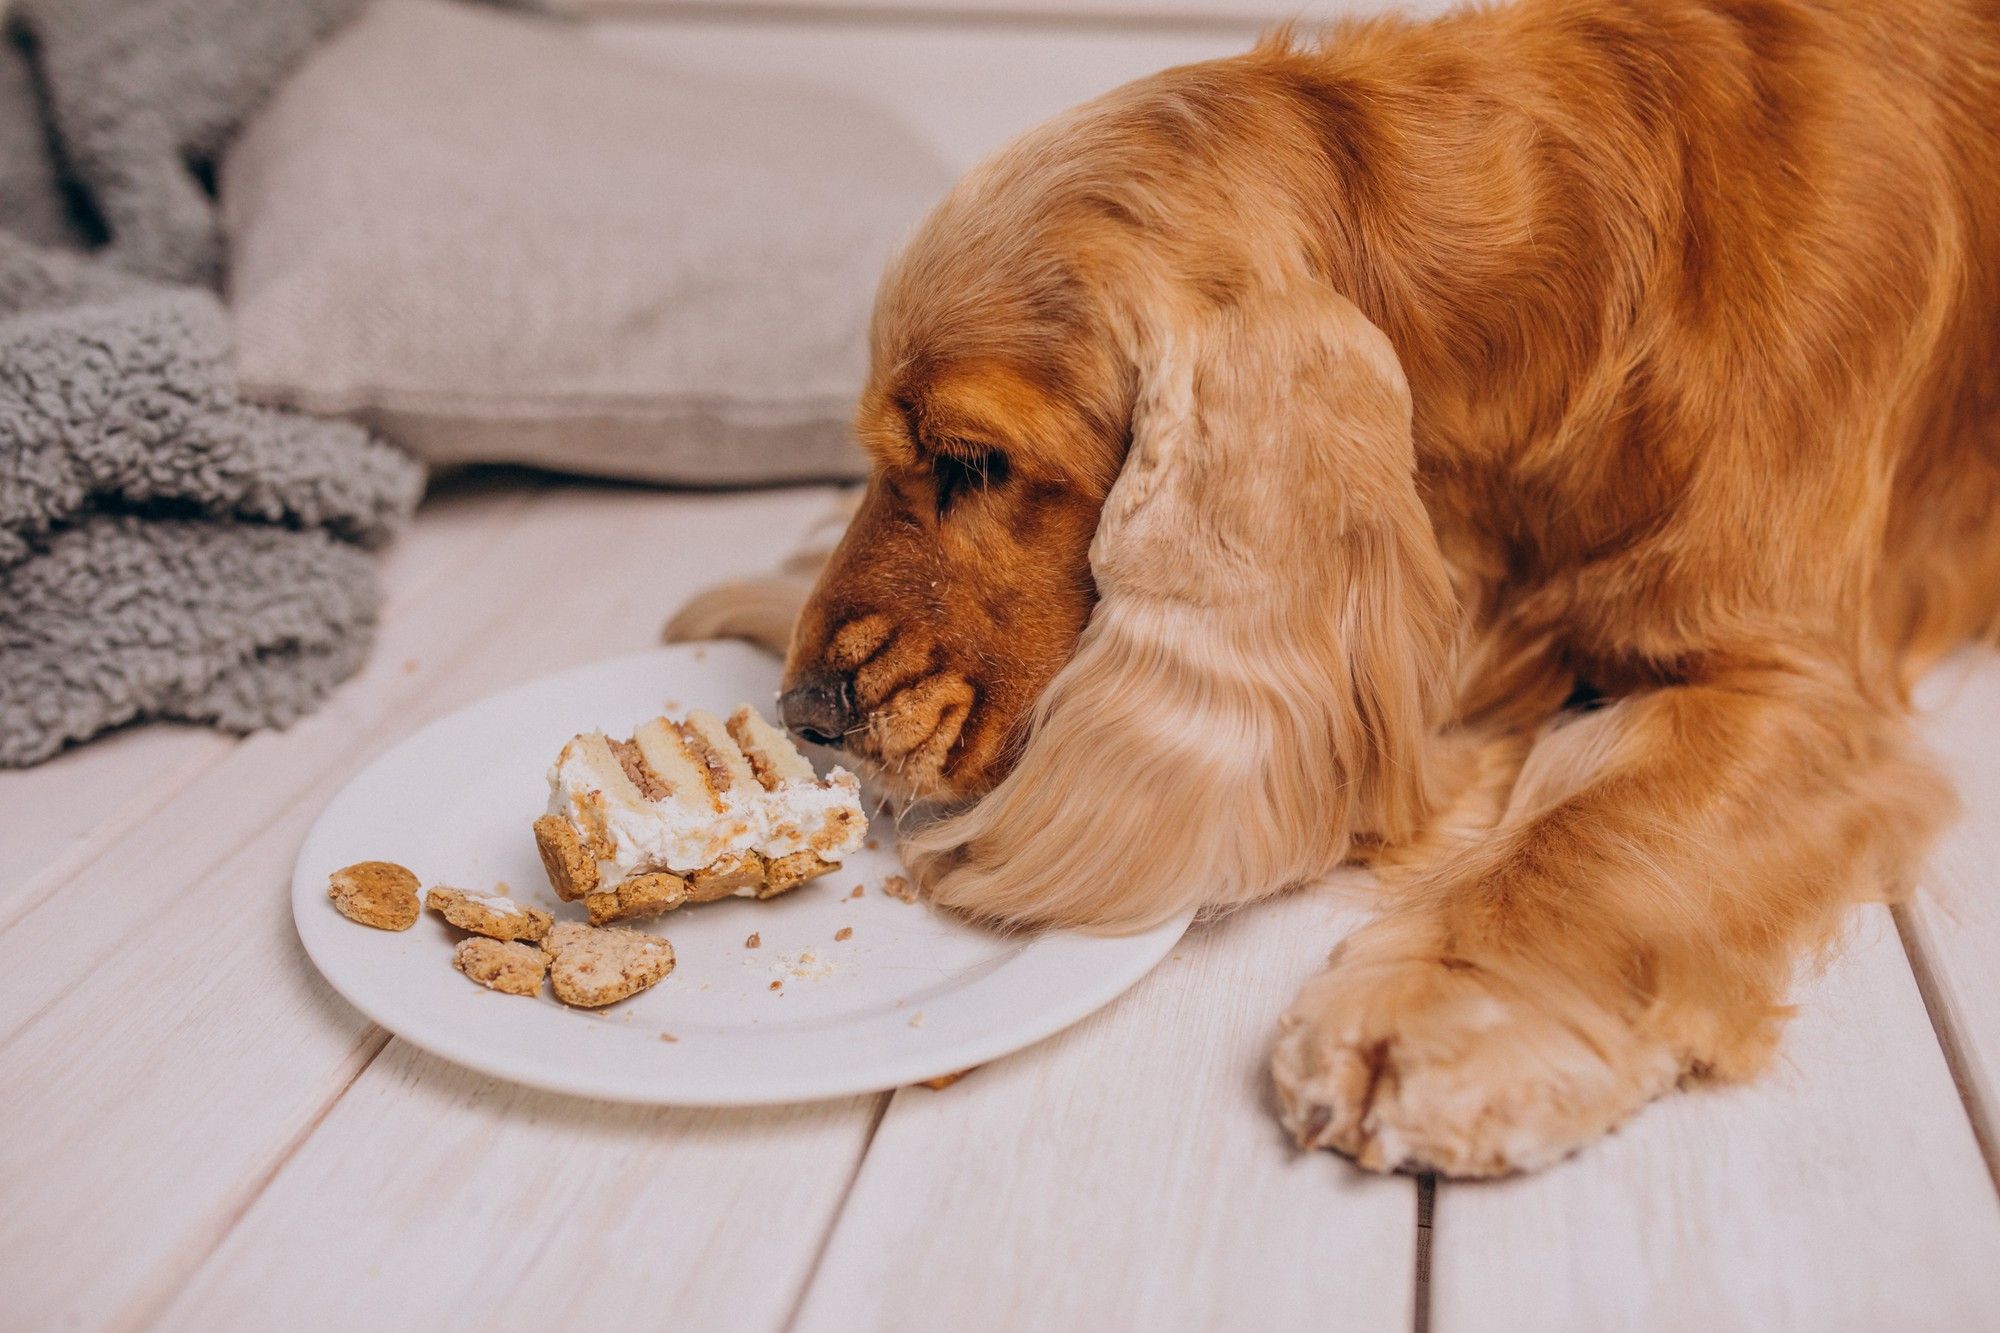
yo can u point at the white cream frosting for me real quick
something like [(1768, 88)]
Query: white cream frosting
[(676, 835)]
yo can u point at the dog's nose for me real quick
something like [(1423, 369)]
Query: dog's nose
[(820, 708)]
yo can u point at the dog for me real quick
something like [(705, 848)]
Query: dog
[(1531, 450)]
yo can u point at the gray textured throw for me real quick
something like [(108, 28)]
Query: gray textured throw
[(165, 548)]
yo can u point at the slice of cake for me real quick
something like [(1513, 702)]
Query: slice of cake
[(691, 811)]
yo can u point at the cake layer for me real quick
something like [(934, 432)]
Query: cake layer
[(696, 809)]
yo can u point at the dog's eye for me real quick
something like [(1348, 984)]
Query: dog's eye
[(958, 474)]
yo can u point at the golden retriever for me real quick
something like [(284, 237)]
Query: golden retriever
[(1532, 450)]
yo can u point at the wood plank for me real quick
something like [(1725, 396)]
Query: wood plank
[(60, 815), (184, 1045), (436, 1197), (1129, 1173), (1953, 924), (1843, 1191)]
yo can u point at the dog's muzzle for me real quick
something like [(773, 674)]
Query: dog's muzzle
[(821, 708)]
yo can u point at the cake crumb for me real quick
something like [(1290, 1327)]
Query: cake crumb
[(755, 941), (899, 888), (844, 933), (804, 965)]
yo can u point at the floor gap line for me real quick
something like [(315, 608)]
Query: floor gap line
[(1420, 1309), (839, 1209), (1951, 1041)]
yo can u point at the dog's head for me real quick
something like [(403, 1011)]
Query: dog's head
[(995, 422), (1140, 557)]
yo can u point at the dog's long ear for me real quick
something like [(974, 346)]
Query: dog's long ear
[(1270, 650)]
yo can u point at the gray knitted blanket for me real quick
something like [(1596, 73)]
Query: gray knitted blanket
[(166, 550)]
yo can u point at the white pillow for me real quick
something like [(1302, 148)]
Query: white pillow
[(492, 240)]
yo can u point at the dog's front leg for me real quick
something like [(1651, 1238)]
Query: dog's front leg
[(764, 610), (1635, 919)]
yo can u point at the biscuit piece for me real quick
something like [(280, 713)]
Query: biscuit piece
[(381, 894), (572, 872), (488, 914), (784, 873), (731, 873), (899, 888), (592, 966), (644, 895), (499, 965)]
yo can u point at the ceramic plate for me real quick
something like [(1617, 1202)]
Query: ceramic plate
[(911, 994)]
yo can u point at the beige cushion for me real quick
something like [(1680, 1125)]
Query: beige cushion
[(495, 241)]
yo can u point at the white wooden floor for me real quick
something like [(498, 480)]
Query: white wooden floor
[(196, 1134)]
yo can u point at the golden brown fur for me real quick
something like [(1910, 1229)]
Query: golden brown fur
[(1312, 427)]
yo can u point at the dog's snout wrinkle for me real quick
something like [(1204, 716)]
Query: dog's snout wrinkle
[(901, 663), (821, 709), (858, 641)]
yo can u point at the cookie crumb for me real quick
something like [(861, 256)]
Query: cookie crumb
[(858, 890), (777, 985), (756, 940), (844, 933), (668, 1036), (899, 888), (871, 844), (943, 1081), (802, 965), (381, 894)]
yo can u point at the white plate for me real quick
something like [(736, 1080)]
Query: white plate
[(913, 994)]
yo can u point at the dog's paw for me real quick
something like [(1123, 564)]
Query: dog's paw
[(1437, 1065)]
